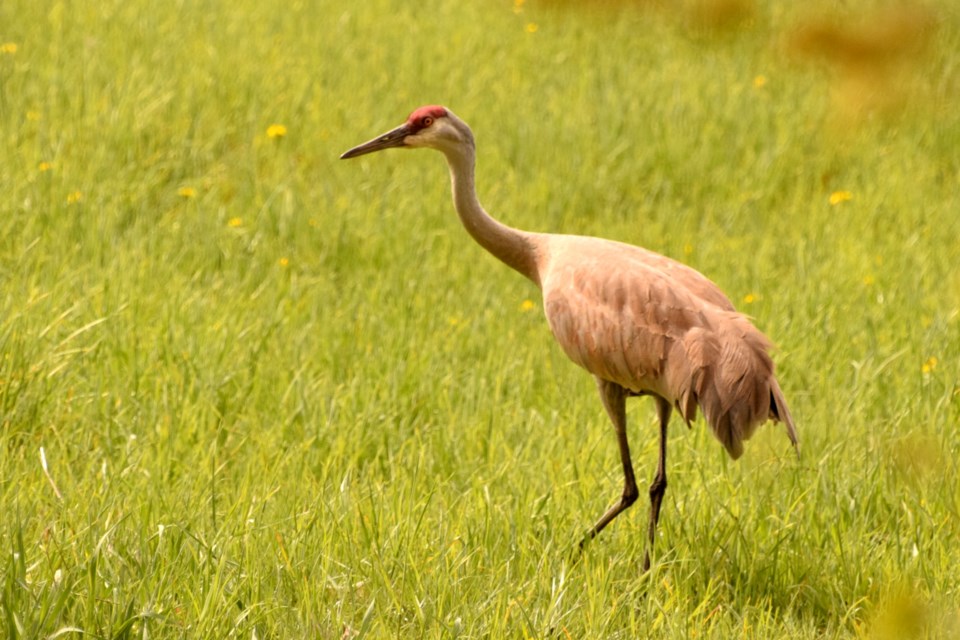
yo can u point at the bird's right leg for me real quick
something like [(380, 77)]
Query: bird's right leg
[(615, 402)]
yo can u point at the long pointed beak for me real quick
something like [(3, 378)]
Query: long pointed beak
[(392, 138)]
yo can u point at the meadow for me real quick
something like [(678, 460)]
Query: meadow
[(250, 390)]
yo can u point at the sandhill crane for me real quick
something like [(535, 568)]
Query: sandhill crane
[(641, 323)]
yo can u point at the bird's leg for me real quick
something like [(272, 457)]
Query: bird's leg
[(615, 402), (659, 485)]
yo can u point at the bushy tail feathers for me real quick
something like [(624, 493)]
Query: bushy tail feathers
[(728, 373), (780, 412)]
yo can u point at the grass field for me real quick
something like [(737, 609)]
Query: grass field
[(249, 390)]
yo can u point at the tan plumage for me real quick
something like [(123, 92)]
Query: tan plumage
[(653, 326), (641, 323)]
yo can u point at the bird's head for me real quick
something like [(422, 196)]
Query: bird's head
[(433, 126)]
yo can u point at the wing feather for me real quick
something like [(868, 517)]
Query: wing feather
[(655, 326)]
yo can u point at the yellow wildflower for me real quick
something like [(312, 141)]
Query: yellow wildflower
[(760, 81), (283, 262), (531, 27), (33, 115), (687, 249), (749, 298), (235, 222), (187, 192), (8, 48), (276, 131), (868, 279), (929, 365), (74, 197), (517, 6), (840, 196), (44, 166), (527, 305)]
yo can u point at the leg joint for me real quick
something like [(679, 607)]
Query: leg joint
[(658, 486)]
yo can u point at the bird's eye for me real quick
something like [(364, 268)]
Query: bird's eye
[(427, 121)]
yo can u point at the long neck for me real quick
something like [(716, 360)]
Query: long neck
[(513, 247)]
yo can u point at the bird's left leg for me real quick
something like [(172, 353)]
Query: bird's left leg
[(659, 485), (615, 402)]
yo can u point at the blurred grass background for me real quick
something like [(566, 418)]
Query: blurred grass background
[(248, 390)]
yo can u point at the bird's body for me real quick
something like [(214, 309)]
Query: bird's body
[(641, 323)]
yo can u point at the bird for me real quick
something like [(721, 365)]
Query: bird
[(641, 323)]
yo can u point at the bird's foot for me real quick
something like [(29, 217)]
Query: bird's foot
[(576, 554)]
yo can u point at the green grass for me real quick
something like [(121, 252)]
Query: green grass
[(302, 403)]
